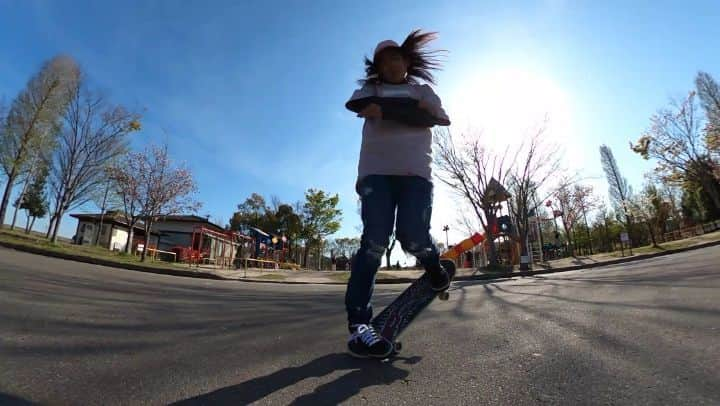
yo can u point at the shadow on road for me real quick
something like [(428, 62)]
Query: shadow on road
[(363, 374), (11, 400)]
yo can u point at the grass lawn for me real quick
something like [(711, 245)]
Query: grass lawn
[(649, 249), (272, 276), (38, 241)]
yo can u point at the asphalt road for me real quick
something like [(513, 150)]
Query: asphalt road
[(646, 332)]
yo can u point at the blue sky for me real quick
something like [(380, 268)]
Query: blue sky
[(251, 94)]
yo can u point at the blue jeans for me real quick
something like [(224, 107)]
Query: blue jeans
[(382, 196)]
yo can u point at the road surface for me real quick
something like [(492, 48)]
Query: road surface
[(646, 332)]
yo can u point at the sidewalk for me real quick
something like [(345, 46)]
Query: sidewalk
[(384, 276), (407, 276)]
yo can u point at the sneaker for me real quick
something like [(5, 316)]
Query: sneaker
[(439, 280), (366, 342)]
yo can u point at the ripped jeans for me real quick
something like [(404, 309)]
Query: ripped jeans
[(381, 196)]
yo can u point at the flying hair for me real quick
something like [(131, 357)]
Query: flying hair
[(421, 61)]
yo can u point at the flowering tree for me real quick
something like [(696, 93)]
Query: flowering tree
[(165, 189), (567, 207), (150, 186), (585, 201), (573, 202), (126, 184)]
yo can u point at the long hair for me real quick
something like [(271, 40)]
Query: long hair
[(421, 61)]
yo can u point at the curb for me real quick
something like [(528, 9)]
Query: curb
[(588, 266), (98, 261), (207, 275)]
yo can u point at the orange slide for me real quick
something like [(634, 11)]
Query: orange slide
[(463, 246)]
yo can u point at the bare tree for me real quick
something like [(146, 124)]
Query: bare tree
[(388, 251), (541, 162), (467, 222), (33, 120), (477, 175), (675, 140), (106, 198), (94, 134)]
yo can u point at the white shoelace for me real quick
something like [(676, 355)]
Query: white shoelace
[(367, 334)]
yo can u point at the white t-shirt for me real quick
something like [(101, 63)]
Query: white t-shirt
[(393, 148)]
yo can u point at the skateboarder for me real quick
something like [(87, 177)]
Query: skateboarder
[(394, 177)]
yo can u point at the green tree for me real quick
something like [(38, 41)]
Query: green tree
[(34, 119), (696, 203), (619, 190), (709, 94), (289, 224), (321, 218), (650, 209), (34, 201), (250, 213), (606, 229)]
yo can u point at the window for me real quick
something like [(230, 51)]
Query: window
[(104, 229)]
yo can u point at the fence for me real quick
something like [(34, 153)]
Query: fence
[(693, 231)]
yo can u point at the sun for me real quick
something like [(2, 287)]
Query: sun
[(508, 104)]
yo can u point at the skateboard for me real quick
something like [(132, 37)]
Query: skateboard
[(402, 109), (395, 318)]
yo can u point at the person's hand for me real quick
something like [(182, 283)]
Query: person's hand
[(424, 105), (372, 110)]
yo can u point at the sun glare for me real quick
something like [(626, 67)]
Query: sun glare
[(506, 105)]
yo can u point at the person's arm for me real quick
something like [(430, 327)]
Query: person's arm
[(431, 102), (358, 100)]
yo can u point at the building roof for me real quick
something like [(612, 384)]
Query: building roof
[(118, 218), (189, 218), (111, 217)]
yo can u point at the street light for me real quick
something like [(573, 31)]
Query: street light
[(446, 228)]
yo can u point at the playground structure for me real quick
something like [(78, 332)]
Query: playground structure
[(211, 247), (231, 249)]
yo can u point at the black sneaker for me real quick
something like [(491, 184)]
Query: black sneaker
[(365, 342), (439, 280)]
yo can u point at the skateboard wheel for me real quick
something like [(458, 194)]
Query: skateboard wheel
[(397, 346), (444, 295)]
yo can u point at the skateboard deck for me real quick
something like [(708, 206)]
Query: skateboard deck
[(398, 315), (402, 109)]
